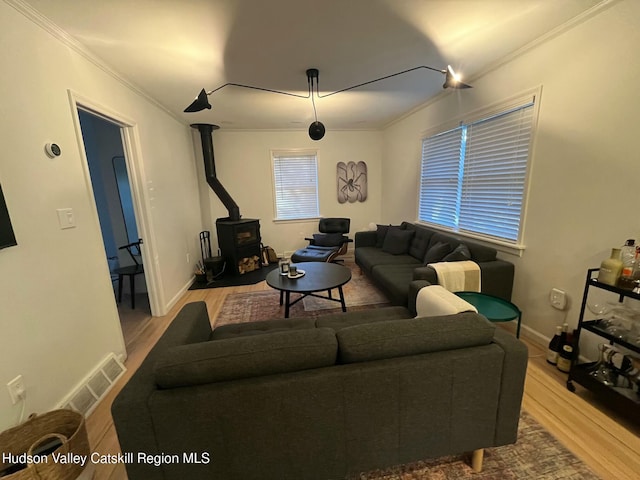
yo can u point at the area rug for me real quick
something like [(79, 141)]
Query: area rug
[(257, 306), (359, 293), (536, 455)]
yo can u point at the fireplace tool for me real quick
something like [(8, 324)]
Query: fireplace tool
[(214, 266)]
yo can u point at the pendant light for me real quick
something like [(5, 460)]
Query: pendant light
[(317, 128)]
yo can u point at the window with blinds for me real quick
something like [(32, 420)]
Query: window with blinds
[(296, 185), (473, 177)]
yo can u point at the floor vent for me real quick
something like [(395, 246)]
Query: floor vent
[(95, 386)]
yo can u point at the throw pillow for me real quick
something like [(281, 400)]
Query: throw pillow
[(436, 253), (460, 254), (397, 241), (327, 239), (381, 232)]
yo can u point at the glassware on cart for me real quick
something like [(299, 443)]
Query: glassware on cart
[(618, 321), (600, 309), (634, 333), (601, 370)]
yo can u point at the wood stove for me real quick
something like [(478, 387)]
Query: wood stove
[(240, 244), (238, 239)]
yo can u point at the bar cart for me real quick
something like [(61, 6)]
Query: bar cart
[(622, 399)]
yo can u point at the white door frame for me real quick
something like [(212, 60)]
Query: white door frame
[(137, 179)]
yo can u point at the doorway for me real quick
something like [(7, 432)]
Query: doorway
[(103, 144)]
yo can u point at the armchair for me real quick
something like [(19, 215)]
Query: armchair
[(327, 245)]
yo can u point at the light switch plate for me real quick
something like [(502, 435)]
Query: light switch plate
[(66, 218)]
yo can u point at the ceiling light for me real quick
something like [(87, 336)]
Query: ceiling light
[(317, 129), (453, 79), (200, 103)]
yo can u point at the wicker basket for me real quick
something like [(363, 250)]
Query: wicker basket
[(67, 426)]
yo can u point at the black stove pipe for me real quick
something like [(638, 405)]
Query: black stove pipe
[(206, 130)]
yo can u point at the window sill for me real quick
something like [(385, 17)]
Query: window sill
[(501, 246), (297, 220)]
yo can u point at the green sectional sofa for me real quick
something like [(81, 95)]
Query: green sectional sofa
[(392, 263), (292, 399)]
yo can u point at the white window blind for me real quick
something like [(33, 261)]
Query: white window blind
[(474, 176), (296, 186), (440, 178)]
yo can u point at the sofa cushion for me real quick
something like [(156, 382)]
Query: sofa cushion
[(397, 241), (246, 356), (339, 321), (415, 336), (381, 232), (479, 253), (328, 239), (258, 328), (436, 253), (369, 257), (459, 254), (420, 242), (394, 279)]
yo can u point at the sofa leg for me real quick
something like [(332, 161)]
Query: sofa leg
[(476, 460)]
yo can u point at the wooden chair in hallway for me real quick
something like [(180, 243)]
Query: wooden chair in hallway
[(130, 270)]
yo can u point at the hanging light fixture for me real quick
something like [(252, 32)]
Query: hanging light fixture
[(317, 128)]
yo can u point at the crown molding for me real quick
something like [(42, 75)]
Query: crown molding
[(559, 30), (72, 43)]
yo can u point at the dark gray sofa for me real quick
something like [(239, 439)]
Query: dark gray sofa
[(393, 273), (316, 400)]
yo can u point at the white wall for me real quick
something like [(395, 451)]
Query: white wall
[(244, 166), (58, 316), (584, 193)]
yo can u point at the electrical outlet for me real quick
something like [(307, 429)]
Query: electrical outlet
[(558, 299), (188, 258), (16, 389)]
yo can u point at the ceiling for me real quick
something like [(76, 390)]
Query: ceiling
[(171, 49)]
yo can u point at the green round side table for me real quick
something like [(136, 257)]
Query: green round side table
[(496, 309)]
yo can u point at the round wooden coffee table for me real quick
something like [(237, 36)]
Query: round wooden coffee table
[(318, 277)]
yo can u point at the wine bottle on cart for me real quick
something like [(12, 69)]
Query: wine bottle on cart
[(554, 347)]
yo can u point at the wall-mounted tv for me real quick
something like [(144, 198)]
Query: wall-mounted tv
[(7, 237)]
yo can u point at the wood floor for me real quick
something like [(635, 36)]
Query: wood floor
[(605, 442)]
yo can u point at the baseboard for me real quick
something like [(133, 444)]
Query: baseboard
[(534, 336), (167, 308)]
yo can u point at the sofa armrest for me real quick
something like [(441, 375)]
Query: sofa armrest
[(414, 288), (366, 239), (497, 278), (514, 369), (426, 273), (130, 409)]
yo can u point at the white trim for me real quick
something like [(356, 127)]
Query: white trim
[(532, 94), (63, 37), (559, 30), (298, 220), (176, 298), (137, 178)]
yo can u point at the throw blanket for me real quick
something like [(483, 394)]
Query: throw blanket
[(458, 276), (435, 300)]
